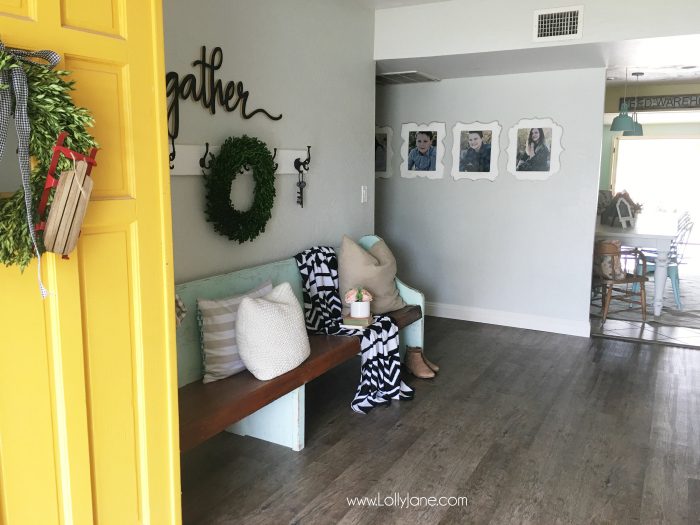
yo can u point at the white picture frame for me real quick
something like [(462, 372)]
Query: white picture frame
[(383, 151), (468, 164), (526, 161), (409, 132)]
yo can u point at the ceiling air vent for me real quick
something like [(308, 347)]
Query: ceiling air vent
[(560, 23), (404, 77)]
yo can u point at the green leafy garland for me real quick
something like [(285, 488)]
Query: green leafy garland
[(235, 155), (51, 110)]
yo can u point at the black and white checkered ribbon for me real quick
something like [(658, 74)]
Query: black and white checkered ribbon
[(16, 79)]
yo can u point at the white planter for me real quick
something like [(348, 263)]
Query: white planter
[(359, 309)]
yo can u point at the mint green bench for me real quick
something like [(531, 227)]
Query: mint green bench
[(270, 410)]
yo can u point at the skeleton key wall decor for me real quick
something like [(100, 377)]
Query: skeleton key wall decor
[(302, 166)]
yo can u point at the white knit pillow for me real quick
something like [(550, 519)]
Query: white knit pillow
[(271, 333), (218, 336)]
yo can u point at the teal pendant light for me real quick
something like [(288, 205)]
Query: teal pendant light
[(637, 131), (623, 122)]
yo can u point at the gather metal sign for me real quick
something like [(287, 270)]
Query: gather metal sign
[(207, 89)]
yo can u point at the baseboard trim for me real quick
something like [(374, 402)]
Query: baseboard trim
[(503, 318)]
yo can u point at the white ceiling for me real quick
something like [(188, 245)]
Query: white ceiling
[(661, 59), (384, 4), (662, 74)]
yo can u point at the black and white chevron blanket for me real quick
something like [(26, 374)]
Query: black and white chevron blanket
[(380, 380)]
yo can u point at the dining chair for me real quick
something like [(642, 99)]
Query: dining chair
[(614, 272), (675, 257)]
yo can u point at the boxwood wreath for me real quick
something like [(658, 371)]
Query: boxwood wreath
[(50, 110), (238, 154)]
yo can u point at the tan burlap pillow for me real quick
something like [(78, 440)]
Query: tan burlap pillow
[(607, 266), (374, 270)]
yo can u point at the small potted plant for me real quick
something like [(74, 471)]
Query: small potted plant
[(358, 298)]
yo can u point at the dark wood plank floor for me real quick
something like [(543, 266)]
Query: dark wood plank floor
[(531, 427)]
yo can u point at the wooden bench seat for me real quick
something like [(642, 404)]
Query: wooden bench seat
[(207, 409), (272, 410)]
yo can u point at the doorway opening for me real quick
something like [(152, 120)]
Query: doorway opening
[(661, 174)]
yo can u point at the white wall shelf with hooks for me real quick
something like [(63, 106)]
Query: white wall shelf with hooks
[(187, 156)]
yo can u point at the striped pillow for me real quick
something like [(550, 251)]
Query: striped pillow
[(217, 320)]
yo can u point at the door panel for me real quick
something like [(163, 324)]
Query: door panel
[(66, 382), (103, 84), (101, 16), (20, 8), (88, 396), (110, 375), (26, 433)]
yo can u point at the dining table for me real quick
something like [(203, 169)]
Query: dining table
[(652, 231)]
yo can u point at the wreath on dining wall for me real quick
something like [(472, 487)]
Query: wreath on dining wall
[(51, 110), (237, 155)]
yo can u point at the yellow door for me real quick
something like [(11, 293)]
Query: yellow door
[(88, 399)]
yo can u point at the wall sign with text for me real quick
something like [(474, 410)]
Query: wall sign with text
[(209, 90), (662, 102)]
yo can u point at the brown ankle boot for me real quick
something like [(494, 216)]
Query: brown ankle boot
[(435, 368), (416, 365)]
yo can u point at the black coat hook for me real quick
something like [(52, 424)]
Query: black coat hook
[(300, 165), (273, 159), (203, 160), (172, 154)]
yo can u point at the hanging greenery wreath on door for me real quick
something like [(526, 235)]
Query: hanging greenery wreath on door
[(50, 110), (238, 154)]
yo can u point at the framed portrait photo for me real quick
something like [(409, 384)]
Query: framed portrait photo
[(422, 150), (383, 153), (475, 150), (534, 147)]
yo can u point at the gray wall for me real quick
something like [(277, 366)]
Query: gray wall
[(506, 252), (310, 60)]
